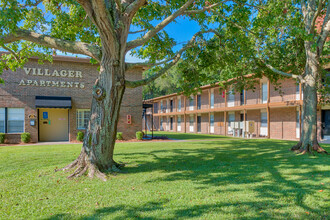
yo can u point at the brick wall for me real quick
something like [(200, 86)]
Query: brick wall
[(287, 91), (283, 123), (13, 95), (205, 123)]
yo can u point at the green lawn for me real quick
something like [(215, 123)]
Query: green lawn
[(220, 179)]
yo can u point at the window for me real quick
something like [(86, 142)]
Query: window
[(264, 124), (231, 118), (161, 124), (298, 92), (199, 123), (212, 123), (212, 99), (171, 105), (161, 106), (191, 103), (2, 120), (242, 97), (199, 102), (231, 99), (171, 124), (15, 120), (179, 123), (191, 123), (297, 125), (156, 107), (179, 104), (82, 118), (264, 93)]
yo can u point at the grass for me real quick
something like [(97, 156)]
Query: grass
[(215, 179)]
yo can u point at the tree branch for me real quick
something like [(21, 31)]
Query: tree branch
[(140, 41), (133, 7), (325, 30), (136, 32), (51, 42), (204, 9), (134, 65), (118, 3), (176, 58), (294, 76), (316, 15)]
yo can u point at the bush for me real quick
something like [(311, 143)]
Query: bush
[(119, 136), (2, 138), (80, 136), (139, 135), (25, 137)]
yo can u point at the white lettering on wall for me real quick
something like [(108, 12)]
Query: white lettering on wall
[(54, 73), (43, 83)]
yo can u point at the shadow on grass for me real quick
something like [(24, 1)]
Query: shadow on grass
[(267, 167)]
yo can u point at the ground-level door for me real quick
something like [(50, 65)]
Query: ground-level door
[(199, 123), (53, 124), (326, 124)]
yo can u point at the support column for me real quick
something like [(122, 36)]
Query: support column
[(268, 109), (225, 122), (209, 125), (196, 123), (244, 123), (225, 114), (184, 114)]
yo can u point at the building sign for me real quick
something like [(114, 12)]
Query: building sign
[(56, 74), (45, 115)]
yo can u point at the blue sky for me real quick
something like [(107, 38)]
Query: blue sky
[(182, 30)]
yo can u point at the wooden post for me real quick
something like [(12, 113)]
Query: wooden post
[(300, 91), (268, 110), (209, 127), (300, 111), (209, 98), (184, 114), (225, 122), (225, 98), (196, 123), (244, 121)]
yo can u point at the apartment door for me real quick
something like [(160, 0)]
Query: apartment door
[(199, 123), (53, 124), (326, 124)]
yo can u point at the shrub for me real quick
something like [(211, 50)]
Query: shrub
[(25, 137), (80, 136), (139, 135), (2, 138), (119, 136)]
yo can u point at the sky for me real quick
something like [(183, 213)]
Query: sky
[(182, 30)]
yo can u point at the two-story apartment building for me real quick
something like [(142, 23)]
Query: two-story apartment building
[(264, 112)]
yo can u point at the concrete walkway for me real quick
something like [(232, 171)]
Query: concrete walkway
[(144, 142), (325, 142)]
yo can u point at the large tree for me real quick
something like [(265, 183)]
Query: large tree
[(277, 39), (100, 29)]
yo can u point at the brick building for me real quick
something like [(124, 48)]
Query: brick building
[(52, 101), (265, 112)]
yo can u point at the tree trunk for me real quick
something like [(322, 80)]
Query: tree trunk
[(96, 154), (308, 139)]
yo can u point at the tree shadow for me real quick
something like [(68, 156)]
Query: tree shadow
[(267, 168), (244, 163)]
